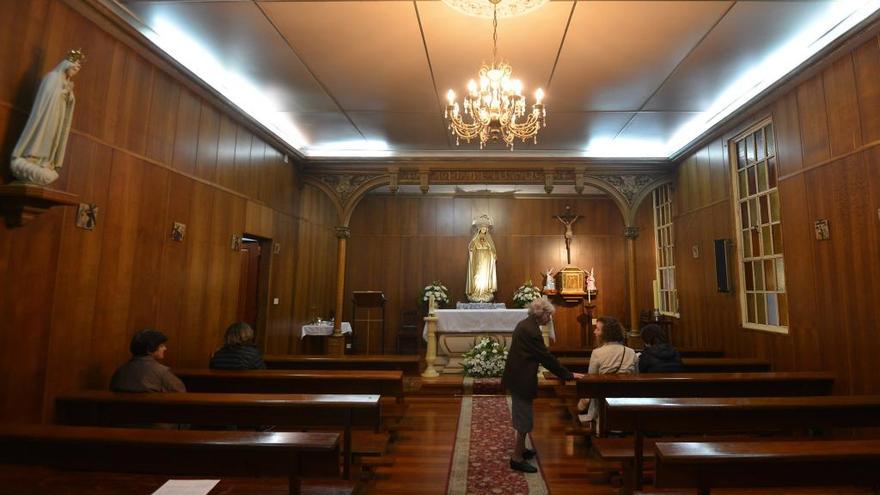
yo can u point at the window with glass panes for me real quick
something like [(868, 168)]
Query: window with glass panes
[(664, 243), (762, 269)]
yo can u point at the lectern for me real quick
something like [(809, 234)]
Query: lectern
[(367, 317)]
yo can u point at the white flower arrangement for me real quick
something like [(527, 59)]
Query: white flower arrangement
[(525, 294), (485, 360), (436, 289)]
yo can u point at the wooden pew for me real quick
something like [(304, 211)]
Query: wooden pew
[(720, 415), (104, 408), (691, 365), (386, 383), (172, 452), (584, 352), (599, 387), (408, 364), (707, 465)]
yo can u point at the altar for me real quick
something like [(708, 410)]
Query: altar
[(458, 330)]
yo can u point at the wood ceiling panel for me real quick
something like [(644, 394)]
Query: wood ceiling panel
[(459, 44), (369, 55), (573, 131), (616, 54), (405, 131), (238, 35), (749, 33)]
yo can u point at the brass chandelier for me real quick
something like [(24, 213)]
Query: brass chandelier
[(495, 104)]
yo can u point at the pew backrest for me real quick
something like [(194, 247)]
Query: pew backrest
[(386, 383)]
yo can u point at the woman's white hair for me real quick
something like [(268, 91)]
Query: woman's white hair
[(540, 307)]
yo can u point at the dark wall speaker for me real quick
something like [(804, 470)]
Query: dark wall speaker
[(722, 264)]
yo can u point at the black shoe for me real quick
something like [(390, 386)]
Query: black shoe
[(529, 454), (522, 466)]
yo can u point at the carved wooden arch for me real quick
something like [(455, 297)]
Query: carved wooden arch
[(331, 194), (644, 193), (618, 198), (358, 194)]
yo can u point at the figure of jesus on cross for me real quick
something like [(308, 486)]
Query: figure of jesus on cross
[(568, 219)]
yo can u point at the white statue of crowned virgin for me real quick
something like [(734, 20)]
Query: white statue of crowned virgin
[(40, 149), (481, 279)]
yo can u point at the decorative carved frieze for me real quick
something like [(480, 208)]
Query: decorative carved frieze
[(344, 185), (628, 186)]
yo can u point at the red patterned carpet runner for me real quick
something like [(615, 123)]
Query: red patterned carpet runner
[(482, 451)]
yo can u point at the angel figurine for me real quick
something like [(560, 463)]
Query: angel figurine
[(550, 284)]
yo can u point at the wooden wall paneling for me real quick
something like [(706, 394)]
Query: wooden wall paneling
[(702, 175), (130, 130), (243, 142), (208, 143), (233, 223), (866, 333), (186, 138), (786, 123), (813, 121), (844, 126), (866, 61), (646, 256), (221, 261), (11, 124), (162, 121), (277, 338), (150, 239), (174, 274), (798, 235), (22, 32), (28, 257), (68, 362), (121, 238), (719, 177), (198, 241), (226, 153)]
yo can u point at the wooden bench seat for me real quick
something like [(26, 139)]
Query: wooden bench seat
[(172, 452), (409, 365), (719, 415), (691, 364), (585, 352), (385, 383), (104, 408), (708, 465)]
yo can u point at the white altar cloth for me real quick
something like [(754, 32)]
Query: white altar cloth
[(325, 328), (480, 321)]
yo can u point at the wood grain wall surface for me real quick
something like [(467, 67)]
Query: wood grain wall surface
[(148, 152), (399, 244), (828, 134)]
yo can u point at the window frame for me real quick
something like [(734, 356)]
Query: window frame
[(670, 225), (735, 209)]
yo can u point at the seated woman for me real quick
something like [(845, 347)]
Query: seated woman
[(143, 372), (239, 352), (659, 355), (613, 356)]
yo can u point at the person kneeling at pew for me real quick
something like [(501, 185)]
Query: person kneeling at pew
[(659, 355), (239, 352), (527, 351), (143, 372)]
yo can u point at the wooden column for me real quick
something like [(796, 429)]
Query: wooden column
[(336, 342), (631, 233)]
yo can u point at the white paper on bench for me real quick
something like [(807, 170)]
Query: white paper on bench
[(186, 487)]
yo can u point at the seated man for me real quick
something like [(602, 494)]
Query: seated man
[(143, 372)]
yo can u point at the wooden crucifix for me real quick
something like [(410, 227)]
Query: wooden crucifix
[(568, 219)]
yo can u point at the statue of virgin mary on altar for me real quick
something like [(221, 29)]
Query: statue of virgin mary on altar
[(481, 278)]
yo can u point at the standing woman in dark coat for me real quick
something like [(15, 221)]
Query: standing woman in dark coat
[(239, 353), (659, 355), (527, 351)]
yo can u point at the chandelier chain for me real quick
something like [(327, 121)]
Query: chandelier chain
[(494, 33)]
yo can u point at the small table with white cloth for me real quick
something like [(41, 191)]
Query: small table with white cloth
[(459, 329), (323, 328)]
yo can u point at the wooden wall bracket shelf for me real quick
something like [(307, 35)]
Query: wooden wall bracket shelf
[(21, 203)]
